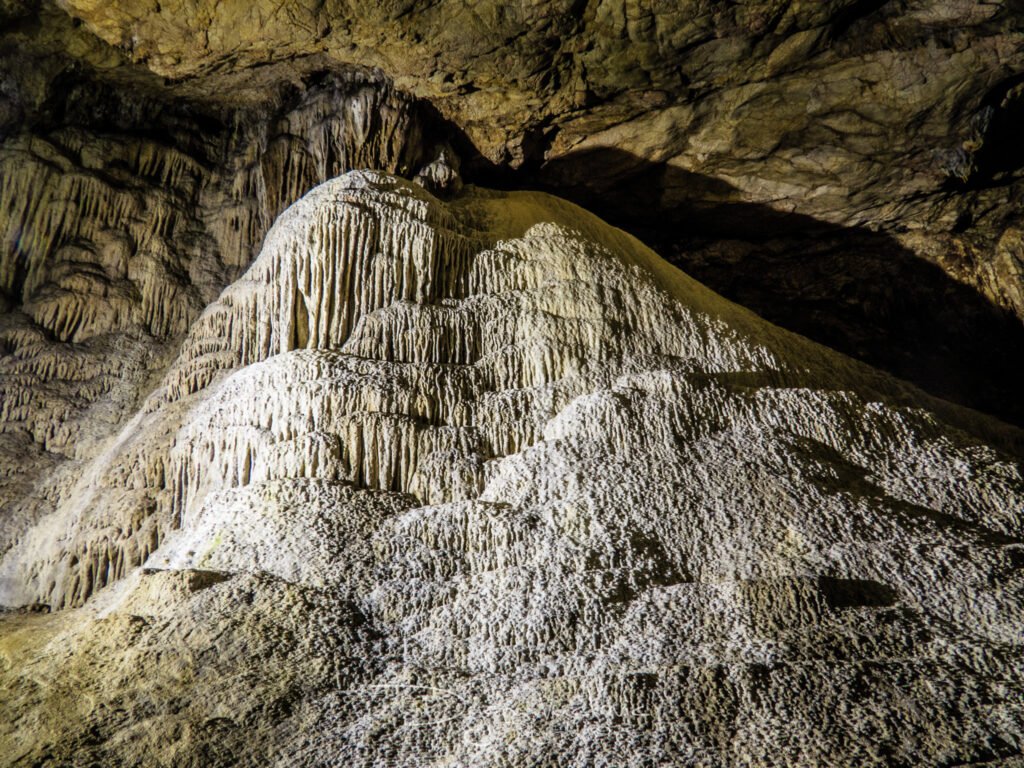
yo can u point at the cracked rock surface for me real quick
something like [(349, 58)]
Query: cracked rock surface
[(485, 482)]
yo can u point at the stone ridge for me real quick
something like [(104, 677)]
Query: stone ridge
[(486, 482)]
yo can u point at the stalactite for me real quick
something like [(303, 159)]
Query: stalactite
[(113, 242)]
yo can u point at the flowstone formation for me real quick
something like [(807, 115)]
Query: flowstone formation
[(849, 169), (487, 483), (120, 222)]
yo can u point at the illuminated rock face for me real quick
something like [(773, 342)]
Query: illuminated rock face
[(848, 169), (488, 483), (118, 226)]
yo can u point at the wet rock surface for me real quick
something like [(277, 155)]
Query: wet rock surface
[(487, 482)]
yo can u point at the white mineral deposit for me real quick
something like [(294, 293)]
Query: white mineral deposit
[(480, 482)]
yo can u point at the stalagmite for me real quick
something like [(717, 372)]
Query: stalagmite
[(485, 482)]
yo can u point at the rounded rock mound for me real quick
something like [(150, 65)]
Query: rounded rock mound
[(485, 482)]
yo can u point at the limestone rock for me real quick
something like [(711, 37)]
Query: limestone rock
[(846, 110), (120, 222), (757, 122), (486, 482), (441, 177)]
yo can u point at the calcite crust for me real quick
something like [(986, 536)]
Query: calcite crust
[(486, 483)]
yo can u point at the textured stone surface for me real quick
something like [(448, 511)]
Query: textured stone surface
[(120, 222), (486, 482), (846, 109), (675, 120)]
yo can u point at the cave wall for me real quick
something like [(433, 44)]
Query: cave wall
[(122, 216), (847, 169)]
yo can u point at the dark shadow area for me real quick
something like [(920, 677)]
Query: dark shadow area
[(851, 289), (1001, 155), (856, 593), (1016, 557)]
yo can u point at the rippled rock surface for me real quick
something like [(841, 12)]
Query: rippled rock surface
[(486, 482)]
